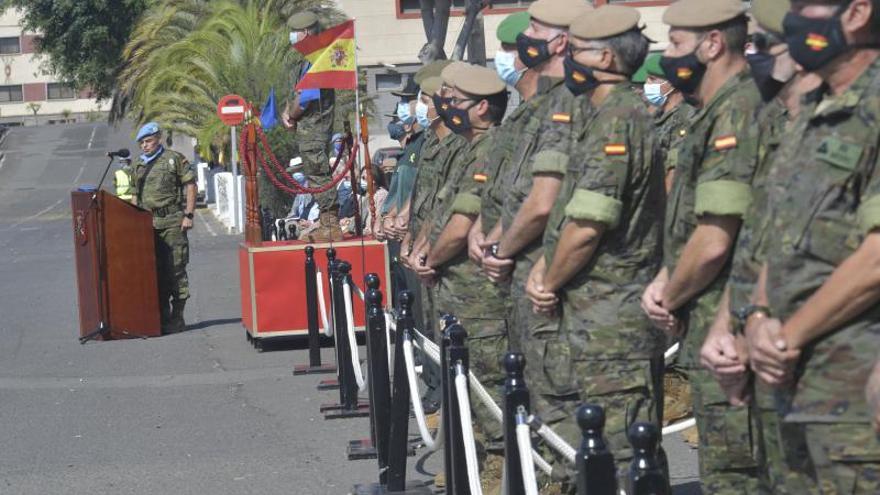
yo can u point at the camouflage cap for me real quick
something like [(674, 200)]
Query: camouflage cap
[(702, 13), (651, 67), (558, 12), (449, 72), (431, 85), (479, 81), (769, 14), (512, 26), (303, 20), (432, 69), (604, 22)]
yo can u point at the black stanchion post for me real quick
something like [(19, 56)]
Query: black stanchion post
[(458, 356), (392, 422), (596, 474), (446, 404), (314, 366), (332, 384), (646, 476), (349, 405), (377, 378), (516, 396)]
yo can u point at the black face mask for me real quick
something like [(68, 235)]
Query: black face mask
[(761, 65), (396, 130), (457, 119), (684, 73), (533, 52), (579, 78), (813, 43), (441, 105)]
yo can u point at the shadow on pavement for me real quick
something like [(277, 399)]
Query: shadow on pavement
[(690, 488), (212, 323)]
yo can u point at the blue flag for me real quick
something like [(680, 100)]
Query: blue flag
[(268, 116)]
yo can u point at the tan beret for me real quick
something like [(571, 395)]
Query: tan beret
[(702, 13), (431, 85), (604, 22), (303, 20), (432, 69), (558, 12), (479, 81), (448, 73), (769, 14)]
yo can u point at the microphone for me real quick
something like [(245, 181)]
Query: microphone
[(121, 153)]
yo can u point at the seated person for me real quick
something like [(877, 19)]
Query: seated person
[(304, 213)]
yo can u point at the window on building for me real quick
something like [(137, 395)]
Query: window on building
[(10, 45), (60, 91), (389, 82), (412, 6), (11, 93)]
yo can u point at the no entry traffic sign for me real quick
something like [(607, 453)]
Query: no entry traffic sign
[(231, 109)]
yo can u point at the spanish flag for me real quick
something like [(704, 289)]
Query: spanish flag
[(331, 55)]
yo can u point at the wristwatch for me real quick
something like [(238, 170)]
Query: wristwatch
[(742, 314), (188, 215), (494, 251)]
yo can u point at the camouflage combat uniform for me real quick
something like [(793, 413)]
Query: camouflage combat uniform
[(159, 189), (824, 198), (463, 290), (607, 352), (541, 148), (313, 133), (716, 162)]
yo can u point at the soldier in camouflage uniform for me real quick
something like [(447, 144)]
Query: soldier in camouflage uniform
[(478, 103), (601, 246), (165, 185), (711, 193), (723, 351), (815, 330), (310, 114), (533, 177)]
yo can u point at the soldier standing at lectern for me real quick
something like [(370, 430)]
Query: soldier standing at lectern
[(165, 185), (309, 113)]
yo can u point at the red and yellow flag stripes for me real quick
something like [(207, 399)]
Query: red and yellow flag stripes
[(331, 54)]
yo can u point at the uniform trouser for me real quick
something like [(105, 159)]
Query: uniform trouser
[(846, 457), (727, 439), (783, 446), (172, 256)]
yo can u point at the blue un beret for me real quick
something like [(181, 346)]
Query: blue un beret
[(148, 129)]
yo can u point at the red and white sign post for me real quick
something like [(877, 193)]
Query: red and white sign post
[(231, 110)]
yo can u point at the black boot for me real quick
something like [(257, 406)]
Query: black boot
[(177, 324)]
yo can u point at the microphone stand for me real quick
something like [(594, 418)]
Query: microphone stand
[(103, 176)]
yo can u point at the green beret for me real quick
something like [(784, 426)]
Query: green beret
[(605, 22), (478, 81), (512, 26), (651, 67), (702, 13), (303, 20), (432, 69), (431, 85), (769, 14), (449, 72), (558, 13)]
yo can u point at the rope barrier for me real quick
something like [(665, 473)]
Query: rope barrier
[(524, 442), (355, 357), (325, 320), (415, 395), (467, 432), (672, 351), (359, 292), (553, 439), (389, 325), (680, 426)]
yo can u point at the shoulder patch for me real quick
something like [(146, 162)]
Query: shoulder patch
[(563, 118), (725, 143), (615, 149)]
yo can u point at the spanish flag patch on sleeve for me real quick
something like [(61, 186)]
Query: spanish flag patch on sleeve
[(481, 177), (615, 149), (563, 118), (725, 143)]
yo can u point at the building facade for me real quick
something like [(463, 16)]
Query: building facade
[(28, 94), (390, 35)]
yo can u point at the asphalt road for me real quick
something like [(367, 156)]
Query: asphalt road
[(193, 413)]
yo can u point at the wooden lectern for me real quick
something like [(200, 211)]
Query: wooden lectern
[(115, 268)]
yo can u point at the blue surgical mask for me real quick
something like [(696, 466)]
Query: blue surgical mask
[(403, 112), (654, 94), (422, 115), (149, 158), (337, 148), (505, 65)]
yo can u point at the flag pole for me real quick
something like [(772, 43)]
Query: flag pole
[(357, 97)]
